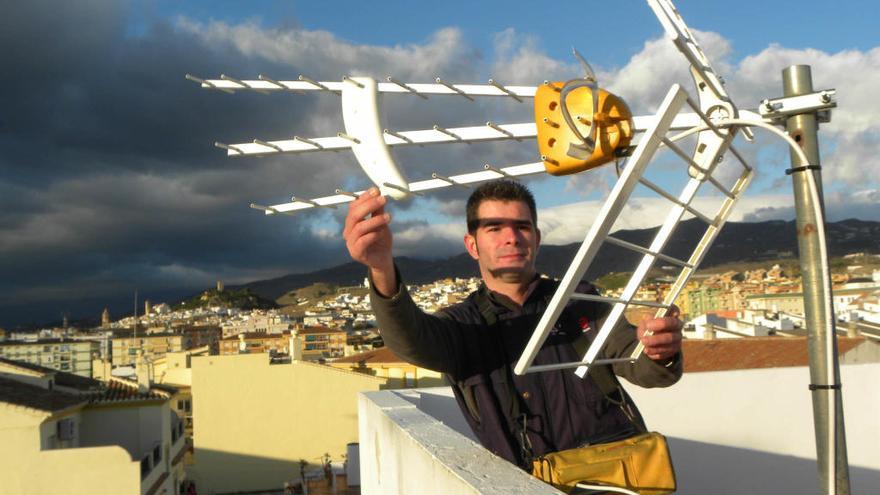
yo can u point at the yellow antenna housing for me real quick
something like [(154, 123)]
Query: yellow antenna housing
[(564, 150)]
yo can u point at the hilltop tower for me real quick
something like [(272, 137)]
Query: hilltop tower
[(105, 318), (219, 286), (148, 307)]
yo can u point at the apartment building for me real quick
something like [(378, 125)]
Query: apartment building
[(255, 343), (64, 433), (256, 418), (124, 348), (318, 343), (257, 323), (72, 356), (384, 363), (322, 342)]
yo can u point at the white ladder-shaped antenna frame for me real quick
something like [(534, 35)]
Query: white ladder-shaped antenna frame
[(599, 234), (714, 100)]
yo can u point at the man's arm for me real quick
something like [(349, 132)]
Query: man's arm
[(419, 338)]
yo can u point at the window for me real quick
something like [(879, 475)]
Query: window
[(184, 405), (157, 454)]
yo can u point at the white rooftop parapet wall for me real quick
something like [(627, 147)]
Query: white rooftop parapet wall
[(730, 432), (405, 450), (751, 431)]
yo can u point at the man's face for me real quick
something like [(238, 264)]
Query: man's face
[(505, 243)]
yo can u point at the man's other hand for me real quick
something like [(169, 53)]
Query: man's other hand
[(661, 336), (368, 239)]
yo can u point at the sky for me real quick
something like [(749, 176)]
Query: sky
[(109, 181)]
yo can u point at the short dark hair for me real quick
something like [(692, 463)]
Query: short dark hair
[(499, 190)]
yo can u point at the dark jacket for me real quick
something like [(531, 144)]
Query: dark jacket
[(561, 410)]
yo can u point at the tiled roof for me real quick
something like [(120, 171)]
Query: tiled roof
[(34, 397), (312, 330), (255, 336), (62, 378), (752, 352), (26, 366), (121, 389), (43, 342), (375, 356)]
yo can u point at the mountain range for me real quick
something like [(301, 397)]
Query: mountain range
[(737, 242)]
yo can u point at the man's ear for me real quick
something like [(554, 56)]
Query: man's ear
[(538, 237), (470, 243)]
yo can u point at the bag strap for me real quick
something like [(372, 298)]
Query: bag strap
[(515, 407), (603, 377)]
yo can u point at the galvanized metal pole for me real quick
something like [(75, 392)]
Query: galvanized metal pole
[(822, 342)]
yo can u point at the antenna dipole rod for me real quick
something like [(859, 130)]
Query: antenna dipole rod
[(499, 129), (310, 202), (268, 145), (453, 88), (452, 182), (269, 80), (553, 86), (229, 147), (406, 87), (308, 141), (505, 90), (315, 83), (497, 170), (208, 83), (398, 135), (347, 193), (263, 77), (447, 132), (551, 123), (400, 188), (352, 81), (350, 138), (232, 79), (263, 208), (243, 84)]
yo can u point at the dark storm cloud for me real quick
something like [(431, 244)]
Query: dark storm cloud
[(108, 177)]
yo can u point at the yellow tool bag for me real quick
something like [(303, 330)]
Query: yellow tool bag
[(639, 464)]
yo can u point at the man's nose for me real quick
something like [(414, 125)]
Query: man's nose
[(512, 235)]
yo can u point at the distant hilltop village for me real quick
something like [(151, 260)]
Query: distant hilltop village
[(235, 393)]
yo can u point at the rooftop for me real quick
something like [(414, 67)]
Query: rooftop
[(374, 356), (729, 433), (43, 342), (318, 330), (34, 397), (62, 378), (753, 352)]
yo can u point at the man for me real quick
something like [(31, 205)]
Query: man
[(477, 342)]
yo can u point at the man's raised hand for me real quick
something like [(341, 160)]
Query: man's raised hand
[(368, 239)]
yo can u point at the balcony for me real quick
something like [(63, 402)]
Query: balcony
[(731, 432)]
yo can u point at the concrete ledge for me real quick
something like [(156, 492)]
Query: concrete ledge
[(405, 450)]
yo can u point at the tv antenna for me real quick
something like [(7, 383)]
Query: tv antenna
[(579, 126)]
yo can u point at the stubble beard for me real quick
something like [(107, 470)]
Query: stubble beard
[(510, 275)]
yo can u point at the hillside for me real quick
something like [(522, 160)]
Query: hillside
[(737, 243), (244, 298)]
